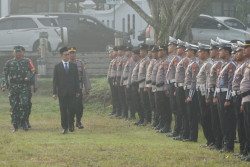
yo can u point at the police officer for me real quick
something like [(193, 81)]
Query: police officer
[(148, 85), (110, 79), (223, 95), (162, 99), (16, 76), (136, 102), (201, 87), (213, 75), (115, 99), (83, 80), (179, 90), (245, 94), (170, 79), (190, 91), (153, 83), (236, 97), (125, 78), (142, 82)]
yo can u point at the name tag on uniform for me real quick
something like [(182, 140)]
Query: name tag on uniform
[(222, 82)]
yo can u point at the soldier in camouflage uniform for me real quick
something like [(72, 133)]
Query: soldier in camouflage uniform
[(17, 73), (223, 96), (83, 80), (33, 82)]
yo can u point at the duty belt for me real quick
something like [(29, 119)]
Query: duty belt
[(160, 84), (201, 87), (245, 94), (148, 82), (211, 90), (236, 93), (170, 81), (187, 87), (220, 90), (178, 85), (142, 81)]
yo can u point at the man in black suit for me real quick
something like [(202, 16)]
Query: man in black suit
[(66, 88)]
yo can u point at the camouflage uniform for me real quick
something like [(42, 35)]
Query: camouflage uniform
[(13, 78)]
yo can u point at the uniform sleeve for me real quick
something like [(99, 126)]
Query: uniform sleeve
[(131, 67), (166, 67), (4, 78), (231, 70), (208, 68), (195, 71)]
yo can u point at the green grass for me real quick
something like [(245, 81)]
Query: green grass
[(104, 142)]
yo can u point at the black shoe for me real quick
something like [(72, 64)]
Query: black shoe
[(79, 125), (204, 145), (138, 123), (164, 130), (238, 154), (155, 124), (28, 123), (15, 127), (112, 113), (178, 138), (159, 126), (64, 131), (172, 135), (71, 128), (25, 126), (225, 150), (247, 158)]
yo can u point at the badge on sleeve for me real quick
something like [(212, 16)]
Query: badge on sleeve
[(194, 67), (175, 62), (230, 68), (166, 65), (32, 67), (185, 63)]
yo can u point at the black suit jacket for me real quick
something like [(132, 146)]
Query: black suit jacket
[(66, 84)]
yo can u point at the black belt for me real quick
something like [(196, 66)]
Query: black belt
[(142, 81), (160, 84), (245, 94), (148, 82)]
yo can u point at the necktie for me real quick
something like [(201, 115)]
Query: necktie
[(66, 68)]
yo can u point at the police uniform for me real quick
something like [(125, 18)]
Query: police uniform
[(180, 94), (149, 82), (190, 92), (236, 98), (142, 82), (201, 87), (162, 100), (245, 94), (84, 81), (115, 99), (223, 94), (135, 88), (170, 79), (211, 84), (127, 71), (15, 72)]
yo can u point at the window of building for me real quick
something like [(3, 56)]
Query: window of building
[(128, 22)]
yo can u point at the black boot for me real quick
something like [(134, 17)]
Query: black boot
[(28, 123), (15, 127), (25, 126), (79, 125)]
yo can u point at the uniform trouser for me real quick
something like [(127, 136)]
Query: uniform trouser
[(136, 103), (118, 98), (247, 123), (182, 112), (29, 101), (145, 105), (227, 121), (128, 93), (112, 87), (215, 120), (156, 111), (123, 101), (206, 122), (19, 105), (193, 115), (79, 107), (162, 102), (240, 123), (151, 102), (173, 106), (67, 108)]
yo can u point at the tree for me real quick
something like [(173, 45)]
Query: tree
[(171, 17)]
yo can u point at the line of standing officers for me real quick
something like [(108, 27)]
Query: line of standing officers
[(206, 84)]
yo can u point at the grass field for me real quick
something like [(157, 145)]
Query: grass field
[(104, 142)]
